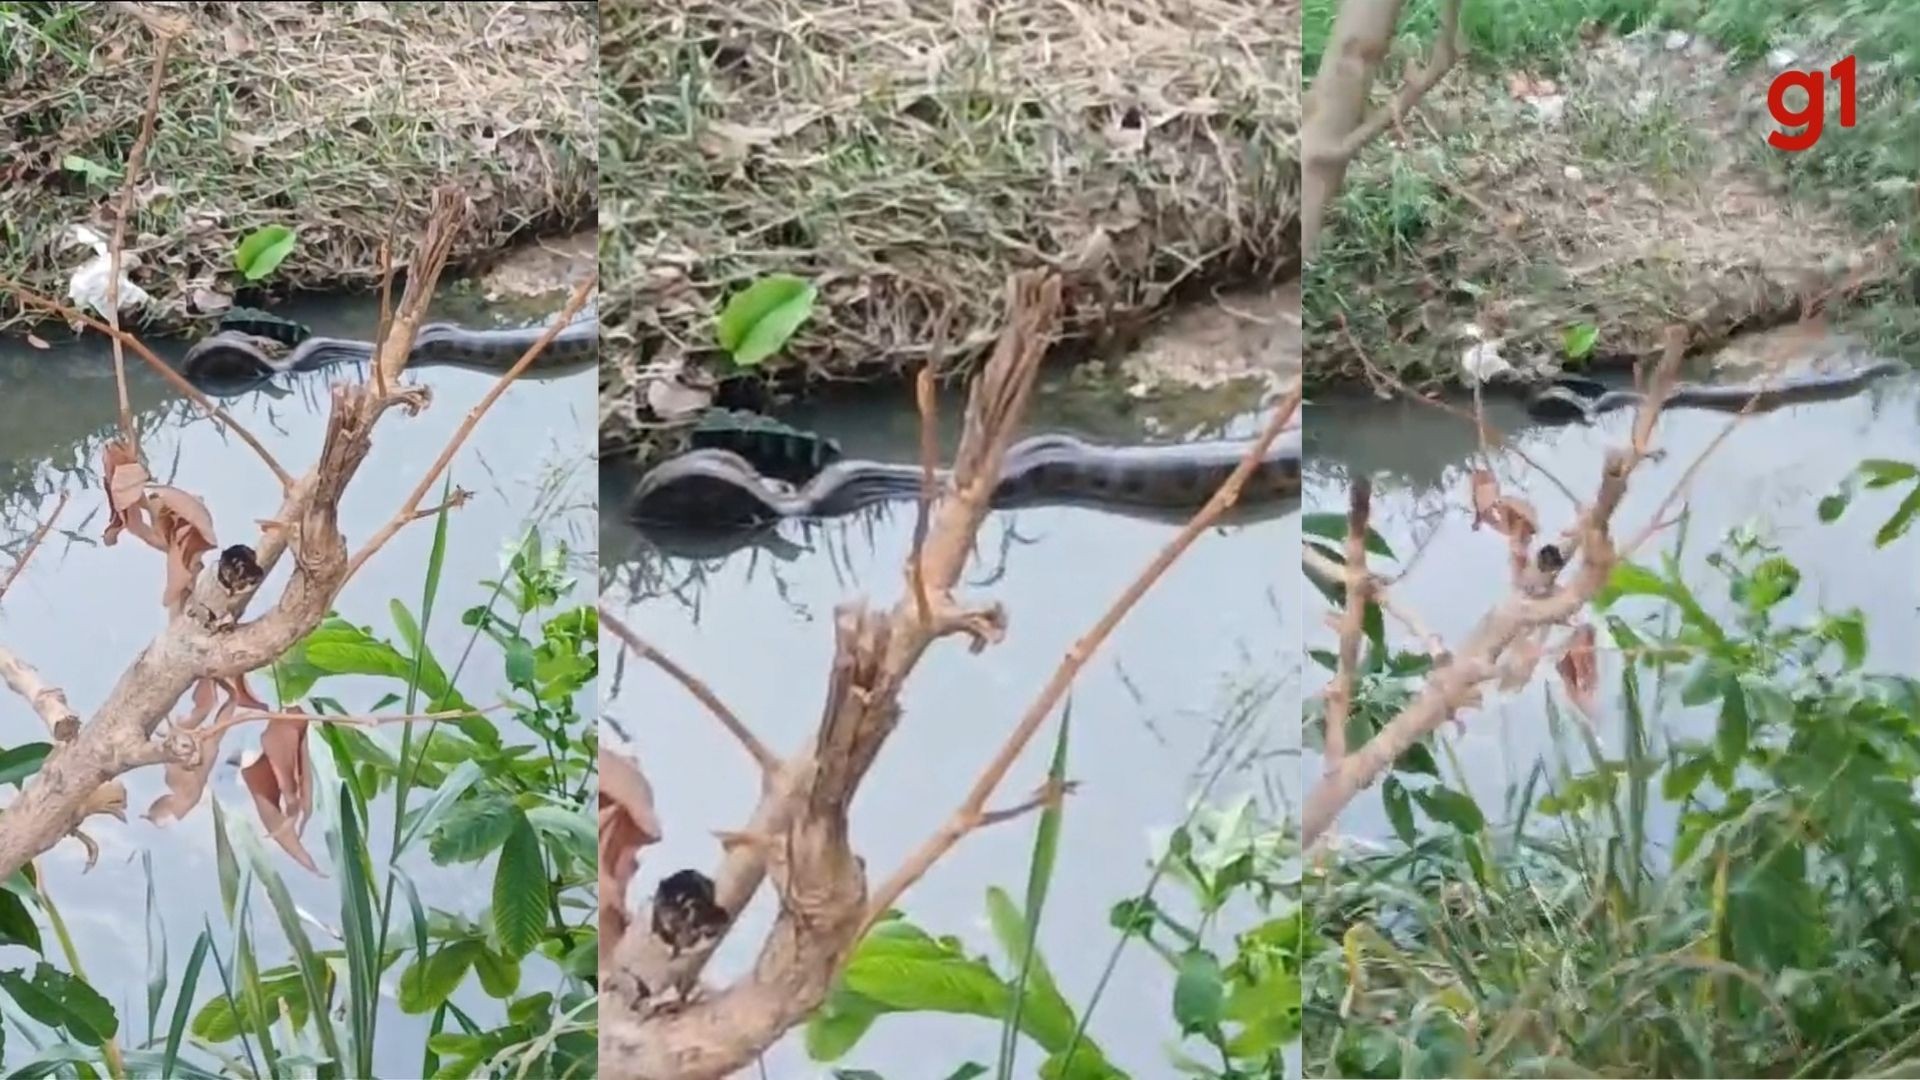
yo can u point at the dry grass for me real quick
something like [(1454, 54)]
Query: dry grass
[(1639, 208), (331, 118), (910, 155)]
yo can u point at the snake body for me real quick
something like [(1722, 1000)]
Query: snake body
[(232, 360), (1581, 400), (716, 489)]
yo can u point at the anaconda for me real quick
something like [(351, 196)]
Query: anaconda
[(1573, 399), (232, 360), (718, 490)]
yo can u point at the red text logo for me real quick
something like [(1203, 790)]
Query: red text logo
[(1812, 114)]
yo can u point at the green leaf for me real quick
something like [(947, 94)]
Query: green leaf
[(758, 320), (1579, 339), (445, 797), (1451, 807), (1848, 631), (59, 1000), (21, 762), (17, 926), (314, 975), (1882, 472), (968, 1071), (1735, 731), (499, 975), (1043, 1012), (1399, 809), (1199, 993), (472, 828), (839, 1024), (519, 891), (425, 984), (95, 172), (1831, 507), (183, 1000), (263, 251), (1019, 931), (1902, 519), (1333, 526), (519, 662)]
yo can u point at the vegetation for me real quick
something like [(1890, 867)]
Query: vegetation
[(1553, 137), (1733, 901), (463, 791)]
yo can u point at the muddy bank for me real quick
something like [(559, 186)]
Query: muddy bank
[(1601, 199), (335, 120), (908, 165)]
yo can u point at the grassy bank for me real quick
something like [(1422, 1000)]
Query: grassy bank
[(336, 120), (1645, 195), (908, 167)]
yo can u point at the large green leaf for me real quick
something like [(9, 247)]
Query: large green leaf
[(473, 828), (519, 891), (1044, 1014), (59, 1000), (263, 250), (425, 984), (759, 319), (20, 762), (1199, 993)]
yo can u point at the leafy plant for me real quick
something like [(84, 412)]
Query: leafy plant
[(1577, 341), (1873, 474)]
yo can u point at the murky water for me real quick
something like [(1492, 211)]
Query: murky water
[(1770, 473), (1200, 680), (81, 611)]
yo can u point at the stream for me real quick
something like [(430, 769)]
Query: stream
[(81, 611), (1769, 474), (1195, 687)]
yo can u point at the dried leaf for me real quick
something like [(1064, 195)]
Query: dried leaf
[(278, 781), (1579, 669), (627, 824), (182, 520), (1515, 517), (126, 481), (185, 784)]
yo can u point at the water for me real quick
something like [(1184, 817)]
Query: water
[(1769, 473), (81, 611), (1213, 645)]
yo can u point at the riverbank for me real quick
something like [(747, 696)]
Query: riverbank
[(1597, 170), (908, 166), (334, 120)]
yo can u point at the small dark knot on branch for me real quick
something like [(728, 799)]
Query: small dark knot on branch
[(684, 912), (239, 570)]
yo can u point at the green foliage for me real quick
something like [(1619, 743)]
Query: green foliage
[(1731, 895), (1578, 340), (1874, 474), (262, 251), (759, 319)]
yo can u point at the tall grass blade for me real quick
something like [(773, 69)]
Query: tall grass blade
[(313, 971), (1046, 849), (156, 949), (183, 1002)]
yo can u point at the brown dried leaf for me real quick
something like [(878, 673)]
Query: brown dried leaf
[(627, 824), (1579, 669), (182, 520), (185, 784), (126, 481), (278, 781), (109, 798)]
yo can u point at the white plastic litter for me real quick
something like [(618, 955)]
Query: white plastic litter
[(88, 286)]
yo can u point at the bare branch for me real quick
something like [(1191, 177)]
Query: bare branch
[(33, 544), (163, 42), (1358, 588), (50, 702)]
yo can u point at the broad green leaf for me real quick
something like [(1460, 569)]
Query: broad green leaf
[(183, 1000), (1451, 807), (1902, 519), (1735, 730), (263, 250), (1882, 472), (839, 1024), (472, 828), (444, 798), (499, 975), (425, 984), (569, 830), (1333, 526), (20, 762), (519, 891), (1199, 993), (1579, 339), (1044, 1014), (17, 926), (59, 1000), (759, 319)]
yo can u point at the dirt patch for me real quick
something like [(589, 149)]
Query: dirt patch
[(1621, 195), (908, 157), (335, 119)]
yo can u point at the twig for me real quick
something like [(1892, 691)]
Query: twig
[(135, 159), (923, 398), (1446, 52), (164, 369), (971, 812), (1340, 691), (406, 513), (33, 544), (756, 749), (1380, 593), (249, 716)]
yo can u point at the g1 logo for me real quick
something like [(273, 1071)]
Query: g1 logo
[(1813, 114)]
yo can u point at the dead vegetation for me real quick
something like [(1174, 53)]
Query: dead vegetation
[(338, 120), (1619, 190), (208, 644), (658, 1021), (909, 157)]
